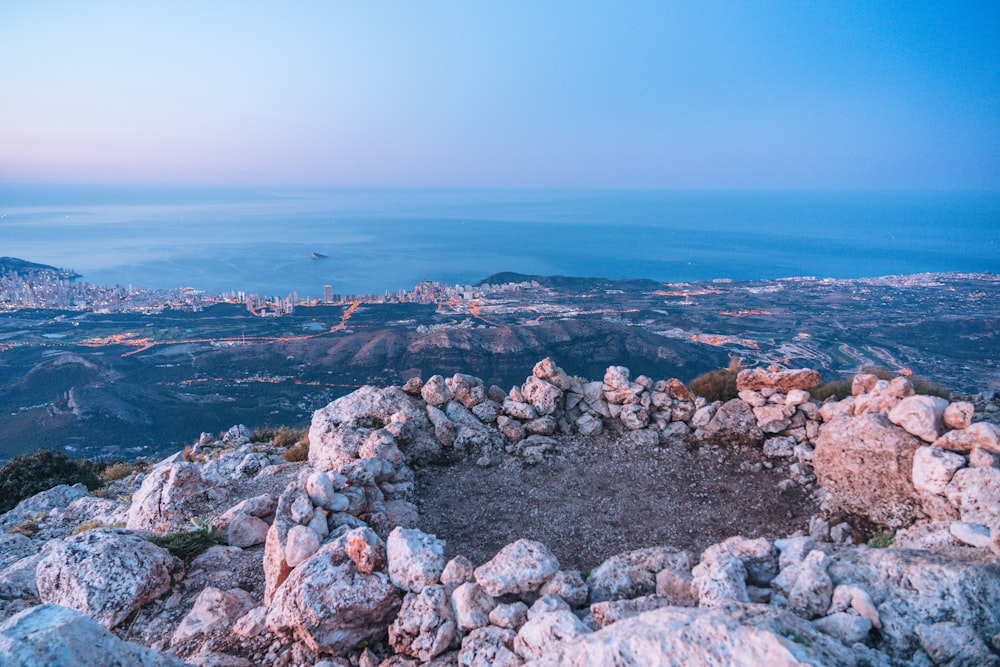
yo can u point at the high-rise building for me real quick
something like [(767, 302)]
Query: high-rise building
[(327, 293)]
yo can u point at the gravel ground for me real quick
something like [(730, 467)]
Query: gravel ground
[(604, 496)]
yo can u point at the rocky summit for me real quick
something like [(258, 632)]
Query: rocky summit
[(328, 561)]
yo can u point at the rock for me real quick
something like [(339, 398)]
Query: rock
[(779, 447), (44, 501), (811, 594), (252, 623), (773, 418), (166, 497), (472, 606), (719, 579), (340, 429), (739, 636), (521, 567), (933, 469), (542, 426), (444, 428), (320, 489), (246, 531), (436, 391), (848, 628), (617, 385), (542, 395), (752, 398), (416, 559), (777, 379), (797, 397), (302, 543), (276, 568), (676, 585), (919, 587), (466, 389), (702, 416), (489, 647), (849, 596), (511, 615), (568, 585), (923, 416), (413, 386), (959, 414), (542, 633), (980, 458), (14, 547), (633, 417), (487, 411), (49, 635), (457, 571), (976, 493), (863, 383), (734, 425), (105, 573), (213, 609), (611, 611), (948, 643), (330, 605), (260, 506), (633, 574), (972, 534), (588, 425), (982, 435), (425, 626), (547, 604), (865, 464), (365, 550)]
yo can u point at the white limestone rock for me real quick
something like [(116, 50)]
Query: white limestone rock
[(521, 567), (976, 493), (164, 500), (633, 574), (213, 609), (425, 626), (923, 416), (542, 633), (416, 559), (472, 606), (934, 467), (50, 635), (489, 647), (105, 573)]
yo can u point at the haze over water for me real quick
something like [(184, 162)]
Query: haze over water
[(378, 240)]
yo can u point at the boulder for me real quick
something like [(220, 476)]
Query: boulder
[(213, 609), (521, 567), (948, 643), (435, 391), (933, 468), (865, 464), (633, 574), (568, 585), (976, 494), (544, 632), (105, 573), (425, 626), (959, 414), (457, 571), (472, 606), (737, 636), (14, 547), (611, 611), (329, 604), (50, 635), (246, 531), (812, 592), (777, 379), (923, 416), (512, 615), (544, 397), (416, 559), (734, 425), (489, 647), (466, 389), (165, 500), (981, 435), (45, 501), (848, 628)]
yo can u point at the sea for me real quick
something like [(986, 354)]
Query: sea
[(374, 241)]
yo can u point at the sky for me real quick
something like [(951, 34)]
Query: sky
[(671, 95)]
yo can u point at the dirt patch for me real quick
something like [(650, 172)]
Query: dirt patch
[(604, 496)]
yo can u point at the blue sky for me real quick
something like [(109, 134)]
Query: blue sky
[(676, 95)]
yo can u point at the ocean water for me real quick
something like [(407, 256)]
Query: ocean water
[(379, 240)]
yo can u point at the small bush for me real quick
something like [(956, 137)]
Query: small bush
[(298, 452), (881, 539), (286, 436), (841, 389), (186, 544), (24, 476), (713, 386), (28, 528), (117, 470)]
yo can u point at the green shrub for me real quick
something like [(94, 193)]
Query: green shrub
[(186, 544), (841, 389), (24, 476), (717, 385), (286, 436), (881, 539)]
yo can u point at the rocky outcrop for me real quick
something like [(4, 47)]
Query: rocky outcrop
[(866, 465), (106, 574), (49, 635)]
